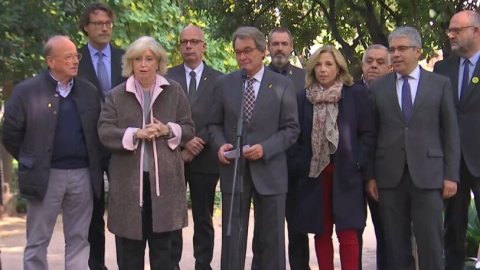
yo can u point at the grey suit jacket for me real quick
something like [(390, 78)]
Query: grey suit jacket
[(274, 125), (468, 112), (87, 71), (206, 161), (429, 143)]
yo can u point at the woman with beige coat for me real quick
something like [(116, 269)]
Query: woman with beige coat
[(143, 122)]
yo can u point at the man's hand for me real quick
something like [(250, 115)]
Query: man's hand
[(187, 156), (221, 153), (195, 145), (254, 153), (372, 189), (449, 188)]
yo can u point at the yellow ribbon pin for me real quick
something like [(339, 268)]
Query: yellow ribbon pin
[(270, 85), (475, 79), (49, 105)]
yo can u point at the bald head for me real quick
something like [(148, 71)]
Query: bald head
[(464, 33), (192, 46), (62, 58)]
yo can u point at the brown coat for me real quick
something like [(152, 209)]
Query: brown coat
[(123, 110)]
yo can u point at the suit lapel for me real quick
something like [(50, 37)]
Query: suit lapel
[(454, 68), (204, 81), (266, 85), (472, 85), (182, 80), (422, 91), (116, 68), (89, 69), (392, 95)]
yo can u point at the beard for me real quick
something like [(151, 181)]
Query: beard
[(279, 60)]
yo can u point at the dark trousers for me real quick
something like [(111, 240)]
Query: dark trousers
[(269, 225), (456, 218), (96, 233), (379, 234), (131, 253), (202, 194), (406, 207), (298, 249)]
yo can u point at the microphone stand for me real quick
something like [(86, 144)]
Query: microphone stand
[(238, 175)]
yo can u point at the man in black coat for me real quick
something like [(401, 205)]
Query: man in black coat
[(201, 164), (97, 24), (280, 46), (375, 64), (50, 127), (464, 73)]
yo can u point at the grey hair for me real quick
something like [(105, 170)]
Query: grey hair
[(409, 32), (137, 48), (246, 32), (375, 47)]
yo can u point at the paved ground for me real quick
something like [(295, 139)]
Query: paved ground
[(12, 242)]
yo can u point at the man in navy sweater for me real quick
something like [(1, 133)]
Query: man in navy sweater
[(50, 128)]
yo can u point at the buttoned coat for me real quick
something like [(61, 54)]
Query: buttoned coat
[(123, 110)]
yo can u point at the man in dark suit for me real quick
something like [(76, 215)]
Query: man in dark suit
[(464, 34), (280, 46), (101, 65), (271, 127), (417, 154), (201, 163), (375, 64)]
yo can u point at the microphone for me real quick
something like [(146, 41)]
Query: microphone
[(243, 72)]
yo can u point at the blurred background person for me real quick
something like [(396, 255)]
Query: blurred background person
[(143, 122), (375, 64), (334, 152), (101, 65)]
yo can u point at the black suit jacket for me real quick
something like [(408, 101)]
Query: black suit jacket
[(295, 74), (86, 69), (206, 161), (468, 112)]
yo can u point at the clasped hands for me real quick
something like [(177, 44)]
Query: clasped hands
[(153, 130)]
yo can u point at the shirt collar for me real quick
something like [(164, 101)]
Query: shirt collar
[(283, 70), (107, 51), (415, 74), (70, 82), (473, 60), (259, 75), (198, 70)]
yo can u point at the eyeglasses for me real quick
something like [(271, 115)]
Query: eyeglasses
[(401, 49), (184, 42), (100, 25), (457, 30), (246, 51), (71, 56)]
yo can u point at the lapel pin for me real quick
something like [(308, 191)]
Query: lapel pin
[(291, 73), (270, 86), (475, 79), (49, 105), (205, 78)]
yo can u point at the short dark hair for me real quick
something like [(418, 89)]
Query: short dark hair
[(280, 30), (93, 8)]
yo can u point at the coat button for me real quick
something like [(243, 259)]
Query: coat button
[(406, 128), (56, 95), (54, 112)]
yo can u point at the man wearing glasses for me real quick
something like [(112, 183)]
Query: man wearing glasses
[(201, 164), (50, 127), (417, 154), (101, 66), (462, 69)]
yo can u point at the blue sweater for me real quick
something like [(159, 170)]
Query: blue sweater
[(69, 147)]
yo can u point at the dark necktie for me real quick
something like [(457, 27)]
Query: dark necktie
[(102, 74), (192, 87), (249, 98), (406, 99), (465, 79)]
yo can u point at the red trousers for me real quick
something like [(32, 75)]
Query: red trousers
[(348, 239)]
